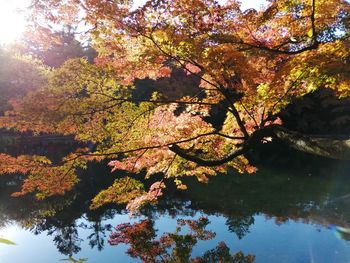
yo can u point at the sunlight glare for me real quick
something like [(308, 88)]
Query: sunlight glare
[(12, 19), (12, 16)]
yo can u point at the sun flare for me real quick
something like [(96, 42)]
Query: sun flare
[(12, 19)]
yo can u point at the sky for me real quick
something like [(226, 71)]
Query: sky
[(12, 16), (12, 20)]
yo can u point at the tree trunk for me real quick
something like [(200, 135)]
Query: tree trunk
[(330, 148)]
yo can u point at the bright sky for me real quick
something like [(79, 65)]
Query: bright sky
[(12, 21), (12, 16)]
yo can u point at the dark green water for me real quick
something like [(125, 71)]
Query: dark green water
[(290, 213)]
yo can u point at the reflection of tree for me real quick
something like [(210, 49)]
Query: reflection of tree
[(222, 254), (98, 235), (66, 233), (59, 216), (239, 224), (298, 194), (172, 247), (305, 198), (67, 240), (141, 237), (65, 230)]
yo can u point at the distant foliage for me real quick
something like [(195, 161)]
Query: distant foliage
[(19, 74)]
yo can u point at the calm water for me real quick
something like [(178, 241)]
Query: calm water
[(290, 213)]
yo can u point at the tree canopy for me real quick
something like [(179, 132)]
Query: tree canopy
[(61, 46), (19, 74), (248, 66)]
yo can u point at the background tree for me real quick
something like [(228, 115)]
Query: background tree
[(249, 66), (19, 74), (63, 45)]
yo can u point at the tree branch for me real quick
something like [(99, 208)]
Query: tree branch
[(312, 17), (253, 139), (155, 146), (209, 162), (154, 101), (325, 147)]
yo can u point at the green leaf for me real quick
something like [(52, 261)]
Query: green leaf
[(6, 241), (310, 33)]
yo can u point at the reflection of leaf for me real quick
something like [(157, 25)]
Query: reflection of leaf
[(343, 233), (80, 260), (6, 241)]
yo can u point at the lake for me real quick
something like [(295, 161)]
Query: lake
[(297, 211)]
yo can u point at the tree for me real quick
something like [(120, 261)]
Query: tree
[(63, 46), (19, 74), (249, 66)]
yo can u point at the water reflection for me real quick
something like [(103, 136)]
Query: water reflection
[(172, 247), (283, 196), (341, 232), (80, 260)]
